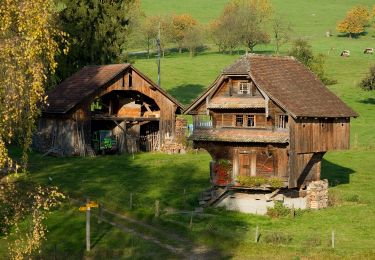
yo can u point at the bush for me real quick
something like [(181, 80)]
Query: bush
[(278, 238), (333, 199), (279, 210), (302, 51), (252, 181), (352, 198), (368, 83)]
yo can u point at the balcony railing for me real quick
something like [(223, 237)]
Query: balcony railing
[(202, 121)]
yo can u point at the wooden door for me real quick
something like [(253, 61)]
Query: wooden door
[(247, 164)]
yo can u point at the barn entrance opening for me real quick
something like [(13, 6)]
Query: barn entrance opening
[(128, 119)]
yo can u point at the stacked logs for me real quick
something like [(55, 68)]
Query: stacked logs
[(173, 148), (180, 128), (317, 194)]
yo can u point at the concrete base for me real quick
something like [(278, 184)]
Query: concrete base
[(258, 203)]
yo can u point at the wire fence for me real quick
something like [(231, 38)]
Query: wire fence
[(195, 223)]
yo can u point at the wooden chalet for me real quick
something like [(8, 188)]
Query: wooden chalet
[(116, 97), (269, 117)]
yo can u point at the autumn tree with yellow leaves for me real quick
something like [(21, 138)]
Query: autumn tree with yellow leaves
[(355, 21), (28, 48), (181, 25)]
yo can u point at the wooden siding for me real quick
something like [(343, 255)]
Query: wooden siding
[(231, 87), (269, 160), (304, 168), (319, 135)]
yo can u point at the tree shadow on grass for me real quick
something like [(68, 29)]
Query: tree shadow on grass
[(369, 101), (187, 92), (149, 177), (335, 173)]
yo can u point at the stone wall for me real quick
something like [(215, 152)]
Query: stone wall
[(317, 194)]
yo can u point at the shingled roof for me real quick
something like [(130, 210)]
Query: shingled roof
[(290, 84), (86, 82), (240, 135)]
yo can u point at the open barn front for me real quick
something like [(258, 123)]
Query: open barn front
[(124, 121)]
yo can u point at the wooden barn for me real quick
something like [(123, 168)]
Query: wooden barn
[(103, 108), (269, 120)]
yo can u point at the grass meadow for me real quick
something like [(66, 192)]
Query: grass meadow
[(177, 180)]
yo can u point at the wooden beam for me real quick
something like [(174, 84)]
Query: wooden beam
[(147, 106), (253, 163)]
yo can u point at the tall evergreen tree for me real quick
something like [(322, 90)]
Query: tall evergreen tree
[(98, 31)]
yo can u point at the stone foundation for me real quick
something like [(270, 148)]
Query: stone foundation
[(314, 197)]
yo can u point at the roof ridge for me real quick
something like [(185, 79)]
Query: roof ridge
[(272, 56)]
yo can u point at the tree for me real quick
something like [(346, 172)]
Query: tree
[(193, 38), (242, 21), (368, 83), (281, 31), (302, 51), (252, 16), (224, 29), (29, 42), (151, 27), (181, 24), (98, 31), (355, 21), (150, 30)]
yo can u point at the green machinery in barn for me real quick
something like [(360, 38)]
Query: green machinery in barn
[(104, 141)]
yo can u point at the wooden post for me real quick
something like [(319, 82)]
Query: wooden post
[(88, 227), (157, 208), (131, 201), (253, 163), (191, 222), (333, 239), (184, 197), (100, 215), (256, 234)]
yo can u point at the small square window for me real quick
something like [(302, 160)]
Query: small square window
[(239, 120), (250, 121), (245, 88)]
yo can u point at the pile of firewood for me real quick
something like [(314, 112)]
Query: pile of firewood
[(317, 194), (180, 127), (173, 148)]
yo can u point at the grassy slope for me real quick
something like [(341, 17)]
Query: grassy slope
[(155, 176)]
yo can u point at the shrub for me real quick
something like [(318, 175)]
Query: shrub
[(277, 238), (253, 181), (312, 241), (352, 198), (368, 83), (333, 199), (279, 210)]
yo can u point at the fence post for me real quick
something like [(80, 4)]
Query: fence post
[(333, 239), (88, 213), (100, 215), (184, 197), (157, 208), (131, 201), (256, 234), (191, 222)]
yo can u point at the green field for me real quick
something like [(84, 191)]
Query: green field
[(152, 176)]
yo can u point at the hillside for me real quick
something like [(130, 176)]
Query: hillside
[(176, 180)]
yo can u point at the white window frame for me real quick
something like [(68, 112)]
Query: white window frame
[(244, 88)]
